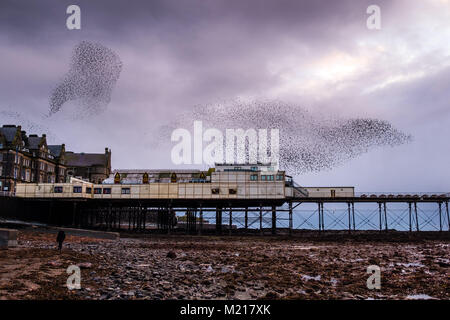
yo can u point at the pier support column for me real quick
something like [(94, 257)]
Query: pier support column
[(260, 220), (385, 217), (109, 223), (200, 229), (410, 216), (290, 218), (230, 224), (120, 216), (353, 216), (246, 218), (448, 216), (320, 219), (440, 216), (349, 219), (145, 218), (274, 220), (169, 218), (127, 210), (417, 216), (379, 215), (219, 220)]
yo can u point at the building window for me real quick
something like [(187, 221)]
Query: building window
[(97, 190), (280, 177), (270, 178), (215, 191), (125, 190), (106, 190), (58, 189), (263, 177), (77, 189), (232, 191), (254, 177), (254, 168), (16, 173), (88, 190)]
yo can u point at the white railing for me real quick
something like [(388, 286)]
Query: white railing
[(410, 194)]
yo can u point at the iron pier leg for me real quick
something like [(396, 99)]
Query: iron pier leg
[(274, 220), (349, 222), (200, 229), (219, 220), (246, 218), (145, 218), (417, 217), (290, 217), (385, 217), (260, 220), (410, 213), (120, 216), (169, 213), (448, 217), (320, 220), (129, 218), (440, 216), (322, 215), (353, 216), (108, 225), (230, 224), (379, 214)]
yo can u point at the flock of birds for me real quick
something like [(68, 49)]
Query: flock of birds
[(308, 141)]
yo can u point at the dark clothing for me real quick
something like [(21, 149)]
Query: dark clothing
[(60, 239)]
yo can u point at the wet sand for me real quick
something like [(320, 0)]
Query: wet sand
[(212, 267)]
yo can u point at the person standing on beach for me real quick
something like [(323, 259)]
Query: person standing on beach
[(60, 239)]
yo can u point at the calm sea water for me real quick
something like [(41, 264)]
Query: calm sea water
[(367, 217)]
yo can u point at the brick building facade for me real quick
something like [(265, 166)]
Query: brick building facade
[(94, 167), (28, 158)]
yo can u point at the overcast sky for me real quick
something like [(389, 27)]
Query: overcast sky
[(180, 54)]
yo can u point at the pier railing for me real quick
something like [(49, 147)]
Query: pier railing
[(406, 194)]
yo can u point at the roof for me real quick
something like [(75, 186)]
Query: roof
[(86, 159), (149, 171), (9, 132), (34, 141), (55, 149)]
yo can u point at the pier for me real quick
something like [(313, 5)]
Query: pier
[(413, 213)]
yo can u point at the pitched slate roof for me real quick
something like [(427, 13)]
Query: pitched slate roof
[(55, 149), (33, 141), (9, 132), (85, 159)]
